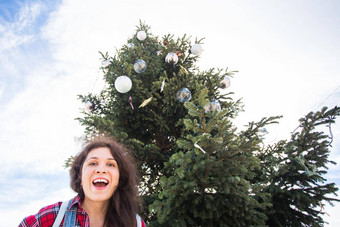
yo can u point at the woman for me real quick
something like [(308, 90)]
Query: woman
[(105, 179)]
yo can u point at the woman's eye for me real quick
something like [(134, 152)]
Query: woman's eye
[(92, 164), (111, 164)]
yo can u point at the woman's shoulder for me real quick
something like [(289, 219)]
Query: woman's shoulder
[(44, 217)]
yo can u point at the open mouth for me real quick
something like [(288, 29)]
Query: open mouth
[(100, 182)]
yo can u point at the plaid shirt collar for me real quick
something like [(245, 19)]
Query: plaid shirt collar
[(76, 202)]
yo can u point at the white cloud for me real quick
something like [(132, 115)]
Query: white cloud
[(12, 217), (2, 87), (39, 122), (18, 33), (2, 28)]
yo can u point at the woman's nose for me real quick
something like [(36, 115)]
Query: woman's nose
[(101, 170)]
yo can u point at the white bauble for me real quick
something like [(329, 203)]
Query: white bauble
[(123, 84), (141, 35), (196, 49)]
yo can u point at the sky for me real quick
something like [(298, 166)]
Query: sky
[(287, 53)]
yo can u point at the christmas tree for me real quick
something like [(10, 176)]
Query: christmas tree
[(196, 168)]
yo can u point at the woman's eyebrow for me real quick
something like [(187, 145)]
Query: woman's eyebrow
[(98, 158)]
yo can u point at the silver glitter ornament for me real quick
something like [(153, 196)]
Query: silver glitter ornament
[(214, 105), (171, 58), (139, 66), (184, 95)]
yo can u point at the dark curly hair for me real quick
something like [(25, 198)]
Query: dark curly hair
[(124, 203)]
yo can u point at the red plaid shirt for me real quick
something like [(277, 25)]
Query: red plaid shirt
[(46, 216)]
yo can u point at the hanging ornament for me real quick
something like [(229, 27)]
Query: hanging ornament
[(196, 49), (141, 35), (89, 106), (183, 70), (139, 66), (162, 86), (130, 45), (263, 130), (158, 52), (214, 105), (145, 102), (123, 84), (184, 95), (165, 42), (130, 101), (171, 58), (198, 146), (106, 63), (179, 54), (225, 83)]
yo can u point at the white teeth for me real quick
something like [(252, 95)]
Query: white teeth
[(100, 181)]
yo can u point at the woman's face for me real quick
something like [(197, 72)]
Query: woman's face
[(100, 175)]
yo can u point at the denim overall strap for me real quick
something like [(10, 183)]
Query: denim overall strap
[(70, 215), (139, 220), (61, 214)]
